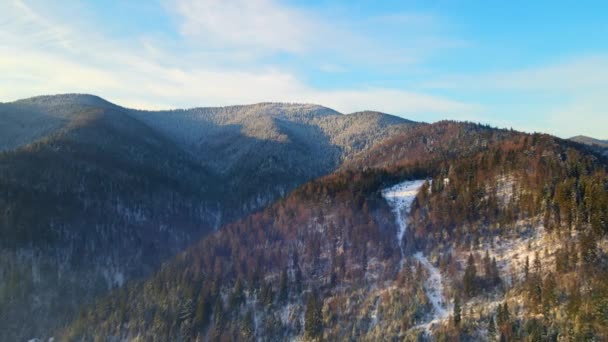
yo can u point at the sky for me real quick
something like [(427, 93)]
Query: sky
[(536, 66)]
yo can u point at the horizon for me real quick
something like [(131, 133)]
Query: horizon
[(506, 66)]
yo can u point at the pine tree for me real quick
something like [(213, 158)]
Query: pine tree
[(469, 280), (491, 329), (495, 273), (588, 249), (266, 295), (526, 269), (537, 264), (218, 312), (457, 311), (237, 297), (487, 265), (248, 327), (313, 324), (506, 315), (297, 274), (203, 312), (283, 287), (548, 291)]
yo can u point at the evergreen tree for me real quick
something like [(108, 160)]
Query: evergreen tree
[(487, 265), (248, 327), (457, 311), (537, 264), (588, 249), (297, 274), (218, 312), (237, 297), (266, 295), (495, 273), (203, 312), (526, 269), (506, 315), (283, 287), (491, 329), (313, 324), (548, 291), (469, 280)]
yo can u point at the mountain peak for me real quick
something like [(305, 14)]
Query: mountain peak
[(58, 100)]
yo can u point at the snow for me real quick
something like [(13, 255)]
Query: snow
[(400, 197), (511, 251), (504, 189), (374, 312), (434, 291)]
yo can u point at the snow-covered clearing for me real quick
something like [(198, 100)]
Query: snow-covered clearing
[(511, 251), (400, 197), (434, 291)]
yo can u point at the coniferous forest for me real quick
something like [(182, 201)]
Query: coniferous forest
[(124, 233)]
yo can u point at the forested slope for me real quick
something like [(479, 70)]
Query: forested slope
[(92, 195), (103, 200), (515, 224)]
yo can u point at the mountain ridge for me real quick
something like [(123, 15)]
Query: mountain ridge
[(268, 221), (105, 194)]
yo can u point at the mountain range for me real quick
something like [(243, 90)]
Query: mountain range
[(271, 222)]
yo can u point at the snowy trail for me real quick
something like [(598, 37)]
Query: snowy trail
[(434, 291), (400, 198)]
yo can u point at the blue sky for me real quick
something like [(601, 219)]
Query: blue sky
[(530, 65)]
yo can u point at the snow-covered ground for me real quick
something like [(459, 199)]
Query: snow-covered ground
[(400, 198), (434, 291), (511, 251)]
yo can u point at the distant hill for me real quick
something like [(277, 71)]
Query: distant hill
[(597, 144), (590, 141)]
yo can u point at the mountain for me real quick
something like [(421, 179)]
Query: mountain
[(271, 146), (502, 236), (28, 120), (590, 141), (93, 194), (597, 144), (293, 222)]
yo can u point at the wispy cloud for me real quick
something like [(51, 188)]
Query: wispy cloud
[(146, 74), (261, 24)]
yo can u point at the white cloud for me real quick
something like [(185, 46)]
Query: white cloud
[(142, 74), (261, 24)]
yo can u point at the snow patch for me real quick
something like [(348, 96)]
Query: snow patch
[(434, 291), (400, 197)]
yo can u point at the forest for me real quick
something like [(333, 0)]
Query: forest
[(323, 263)]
